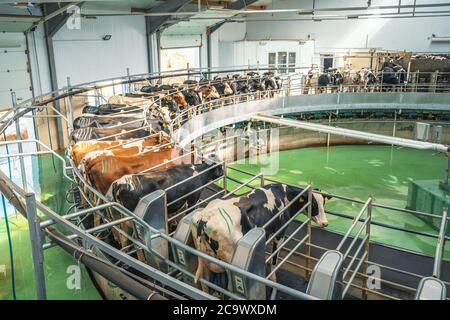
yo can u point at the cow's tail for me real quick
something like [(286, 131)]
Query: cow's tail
[(200, 268), (199, 233)]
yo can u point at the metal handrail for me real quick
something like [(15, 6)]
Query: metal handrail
[(65, 167), (142, 267), (134, 218), (440, 245)]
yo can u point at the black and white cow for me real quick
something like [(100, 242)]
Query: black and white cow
[(367, 79), (222, 86), (393, 76), (170, 103), (112, 134), (190, 82), (158, 88), (109, 108), (240, 85), (256, 82), (271, 82), (129, 189), (93, 121), (323, 81), (192, 97), (217, 228)]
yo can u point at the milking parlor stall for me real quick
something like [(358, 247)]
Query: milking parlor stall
[(235, 150)]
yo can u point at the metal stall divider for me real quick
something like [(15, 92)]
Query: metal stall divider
[(153, 210), (183, 258), (327, 276), (433, 288), (249, 255)]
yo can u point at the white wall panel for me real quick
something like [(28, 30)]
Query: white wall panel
[(232, 32), (39, 62), (204, 52), (226, 54), (411, 34), (215, 52), (244, 53), (13, 69), (83, 56), (180, 41)]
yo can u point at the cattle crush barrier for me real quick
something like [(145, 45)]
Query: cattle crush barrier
[(158, 263)]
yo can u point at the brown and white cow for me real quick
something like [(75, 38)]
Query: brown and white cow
[(91, 148), (104, 168)]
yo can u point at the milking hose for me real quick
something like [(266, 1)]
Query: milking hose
[(11, 255), (8, 232)]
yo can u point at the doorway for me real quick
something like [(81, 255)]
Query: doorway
[(327, 61)]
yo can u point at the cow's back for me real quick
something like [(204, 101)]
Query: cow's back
[(221, 222), (83, 148), (104, 170), (80, 149)]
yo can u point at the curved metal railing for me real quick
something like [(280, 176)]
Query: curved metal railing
[(100, 204)]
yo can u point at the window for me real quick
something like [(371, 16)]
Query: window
[(272, 60), (284, 61), (291, 62), (327, 61)]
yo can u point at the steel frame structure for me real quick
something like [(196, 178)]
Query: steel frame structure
[(100, 205)]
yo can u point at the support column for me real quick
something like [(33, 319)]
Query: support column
[(54, 86), (208, 51), (152, 47), (58, 17), (36, 246)]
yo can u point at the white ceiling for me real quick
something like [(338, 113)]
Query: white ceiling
[(17, 18), (197, 23)]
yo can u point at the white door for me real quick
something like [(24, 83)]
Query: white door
[(14, 74), (180, 58)]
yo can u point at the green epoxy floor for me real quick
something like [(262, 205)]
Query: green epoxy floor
[(357, 172), (353, 171), (52, 193)]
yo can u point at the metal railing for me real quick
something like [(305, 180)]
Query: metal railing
[(296, 85), (100, 204), (367, 208), (363, 260)]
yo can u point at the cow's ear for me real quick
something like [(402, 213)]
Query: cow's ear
[(244, 203)]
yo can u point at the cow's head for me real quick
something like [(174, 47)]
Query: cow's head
[(123, 191), (213, 159), (319, 200), (227, 89), (318, 214)]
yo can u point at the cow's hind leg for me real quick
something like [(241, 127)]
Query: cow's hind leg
[(202, 272), (275, 243)]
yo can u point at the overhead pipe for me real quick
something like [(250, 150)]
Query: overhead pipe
[(421, 145), (272, 11)]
